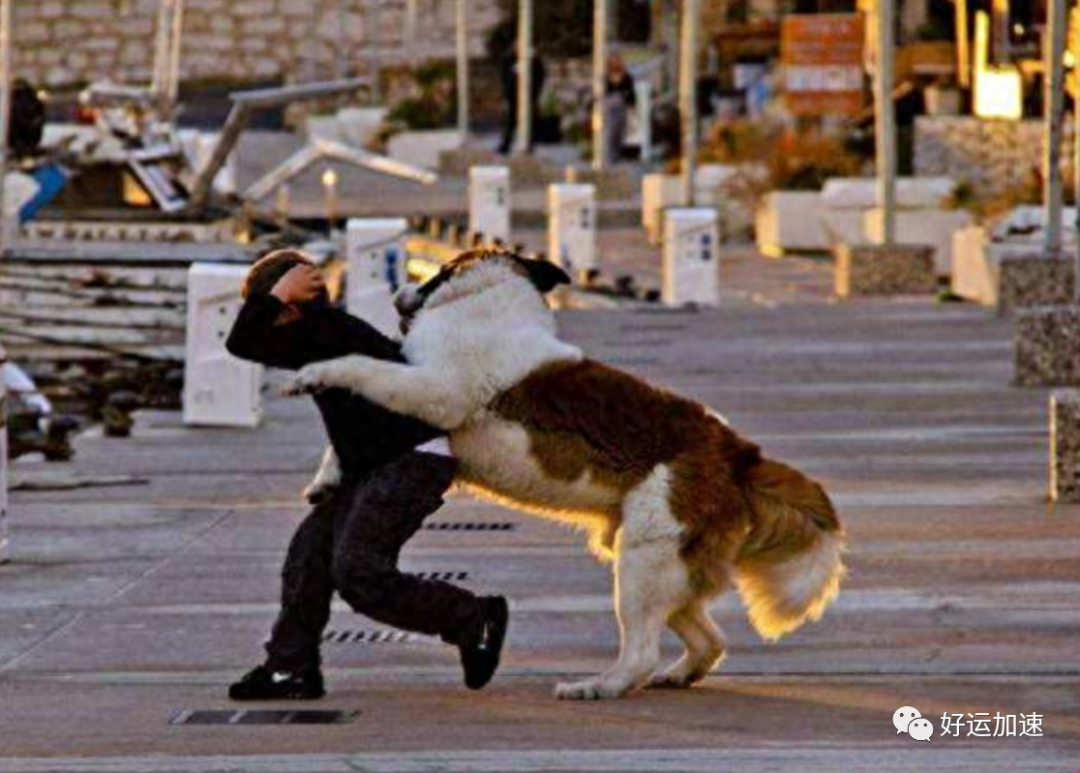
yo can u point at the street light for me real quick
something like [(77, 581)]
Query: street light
[(599, 82), (1054, 100), (524, 83), (688, 97)]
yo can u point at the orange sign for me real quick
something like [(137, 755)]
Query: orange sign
[(822, 56)]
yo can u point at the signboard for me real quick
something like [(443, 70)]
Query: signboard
[(822, 56)]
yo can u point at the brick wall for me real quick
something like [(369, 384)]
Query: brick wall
[(63, 42)]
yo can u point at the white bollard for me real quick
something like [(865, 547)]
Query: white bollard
[(489, 202), (572, 226), (219, 389), (691, 259), (375, 251), (643, 91), (4, 543)]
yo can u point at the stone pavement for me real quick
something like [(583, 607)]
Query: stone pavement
[(129, 604)]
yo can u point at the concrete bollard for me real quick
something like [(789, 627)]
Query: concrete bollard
[(375, 251), (1065, 446), (489, 201), (219, 389), (691, 258), (5, 554), (572, 227)]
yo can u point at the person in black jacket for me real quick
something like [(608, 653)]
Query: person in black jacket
[(383, 475), (508, 71)]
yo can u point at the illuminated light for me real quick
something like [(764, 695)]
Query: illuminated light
[(1070, 59), (329, 179), (1018, 29), (999, 91)]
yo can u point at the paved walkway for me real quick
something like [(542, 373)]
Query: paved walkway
[(130, 604)]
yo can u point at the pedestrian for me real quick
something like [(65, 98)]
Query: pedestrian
[(384, 474), (619, 99), (509, 68)]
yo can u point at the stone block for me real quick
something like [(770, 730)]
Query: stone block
[(1065, 446), (791, 221), (1025, 281), (1047, 351), (875, 269)]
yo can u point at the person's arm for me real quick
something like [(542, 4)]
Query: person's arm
[(255, 336)]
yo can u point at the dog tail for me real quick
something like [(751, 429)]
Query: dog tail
[(789, 567)]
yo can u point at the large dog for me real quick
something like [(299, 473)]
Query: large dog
[(684, 506)]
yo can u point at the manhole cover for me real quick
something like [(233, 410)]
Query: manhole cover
[(334, 636), (469, 526), (264, 717)]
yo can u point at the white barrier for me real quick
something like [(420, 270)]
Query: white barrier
[(658, 193), (375, 252), (691, 257), (572, 226), (219, 389), (489, 201), (4, 543)]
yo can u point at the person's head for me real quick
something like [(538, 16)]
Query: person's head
[(616, 66), (267, 272)]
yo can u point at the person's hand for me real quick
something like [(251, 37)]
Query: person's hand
[(300, 284)]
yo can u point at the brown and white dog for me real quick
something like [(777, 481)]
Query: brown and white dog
[(685, 506)]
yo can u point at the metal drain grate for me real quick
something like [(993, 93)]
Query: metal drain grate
[(264, 717), (469, 526), (333, 636), (443, 576)]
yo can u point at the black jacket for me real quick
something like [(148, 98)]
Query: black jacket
[(364, 435)]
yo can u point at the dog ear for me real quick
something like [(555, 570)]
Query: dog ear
[(544, 275)]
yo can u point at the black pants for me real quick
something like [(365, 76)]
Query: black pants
[(351, 545)]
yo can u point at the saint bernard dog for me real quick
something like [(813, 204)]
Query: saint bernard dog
[(683, 505)]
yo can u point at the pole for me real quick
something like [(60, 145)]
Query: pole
[(1075, 46), (599, 82), (172, 92), (688, 97), (1054, 100), (963, 45), (524, 84), (5, 117), (885, 122), (463, 70)]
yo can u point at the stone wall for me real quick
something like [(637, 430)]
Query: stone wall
[(994, 156), (65, 42)]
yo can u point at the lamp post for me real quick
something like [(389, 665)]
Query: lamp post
[(688, 97), (524, 83), (5, 116), (463, 70), (1054, 102), (599, 79), (885, 121)]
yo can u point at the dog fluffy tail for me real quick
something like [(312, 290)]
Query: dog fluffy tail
[(790, 565)]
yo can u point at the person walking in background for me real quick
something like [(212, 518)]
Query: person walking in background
[(619, 98), (508, 68)]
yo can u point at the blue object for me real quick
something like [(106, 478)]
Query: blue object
[(51, 180)]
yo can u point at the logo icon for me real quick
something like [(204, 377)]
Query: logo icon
[(907, 719)]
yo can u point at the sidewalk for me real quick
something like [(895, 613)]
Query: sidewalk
[(129, 604)]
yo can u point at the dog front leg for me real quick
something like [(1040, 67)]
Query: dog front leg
[(411, 390)]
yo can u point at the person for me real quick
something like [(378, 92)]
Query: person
[(509, 72), (391, 473), (619, 99)]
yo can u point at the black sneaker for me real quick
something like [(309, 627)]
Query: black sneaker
[(481, 660), (262, 684)]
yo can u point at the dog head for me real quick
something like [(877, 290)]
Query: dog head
[(474, 272)]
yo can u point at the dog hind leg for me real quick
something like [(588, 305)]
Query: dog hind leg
[(705, 647)]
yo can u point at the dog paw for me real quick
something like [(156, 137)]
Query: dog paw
[(671, 682), (588, 690), (308, 381)]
